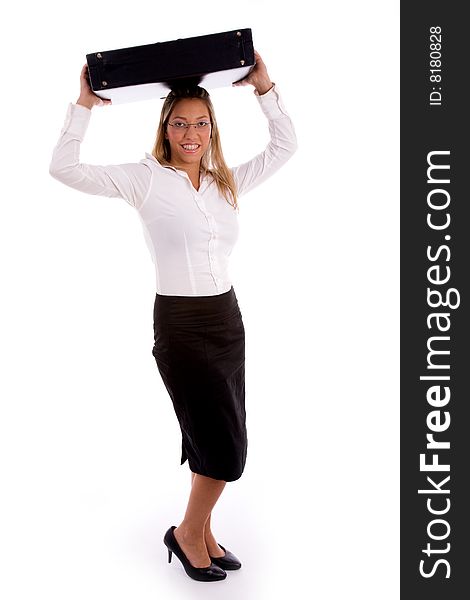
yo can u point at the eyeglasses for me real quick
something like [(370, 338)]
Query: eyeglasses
[(183, 126)]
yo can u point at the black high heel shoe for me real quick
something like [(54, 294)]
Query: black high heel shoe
[(210, 573), (229, 562)]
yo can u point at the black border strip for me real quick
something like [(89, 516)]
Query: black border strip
[(434, 301)]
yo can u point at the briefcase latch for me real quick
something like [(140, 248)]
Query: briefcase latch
[(242, 48)]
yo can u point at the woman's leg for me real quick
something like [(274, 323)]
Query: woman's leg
[(212, 546), (205, 492)]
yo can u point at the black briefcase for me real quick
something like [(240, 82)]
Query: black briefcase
[(150, 71)]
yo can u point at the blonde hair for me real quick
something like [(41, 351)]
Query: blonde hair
[(212, 161)]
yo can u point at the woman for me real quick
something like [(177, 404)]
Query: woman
[(186, 198)]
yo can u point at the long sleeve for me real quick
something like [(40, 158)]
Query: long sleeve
[(281, 147), (130, 181)]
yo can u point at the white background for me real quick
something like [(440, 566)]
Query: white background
[(89, 443)]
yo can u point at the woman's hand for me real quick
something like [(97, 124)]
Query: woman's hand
[(87, 97), (258, 77)]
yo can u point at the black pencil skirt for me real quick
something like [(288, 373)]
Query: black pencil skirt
[(200, 353)]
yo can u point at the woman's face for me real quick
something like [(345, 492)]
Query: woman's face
[(187, 145)]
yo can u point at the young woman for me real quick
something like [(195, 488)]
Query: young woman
[(187, 199)]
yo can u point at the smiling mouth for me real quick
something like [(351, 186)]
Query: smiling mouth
[(190, 148)]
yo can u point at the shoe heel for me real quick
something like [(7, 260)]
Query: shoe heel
[(169, 555)]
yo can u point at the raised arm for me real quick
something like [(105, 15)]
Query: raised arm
[(283, 140), (129, 181)]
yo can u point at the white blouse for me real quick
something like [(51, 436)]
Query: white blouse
[(190, 233)]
